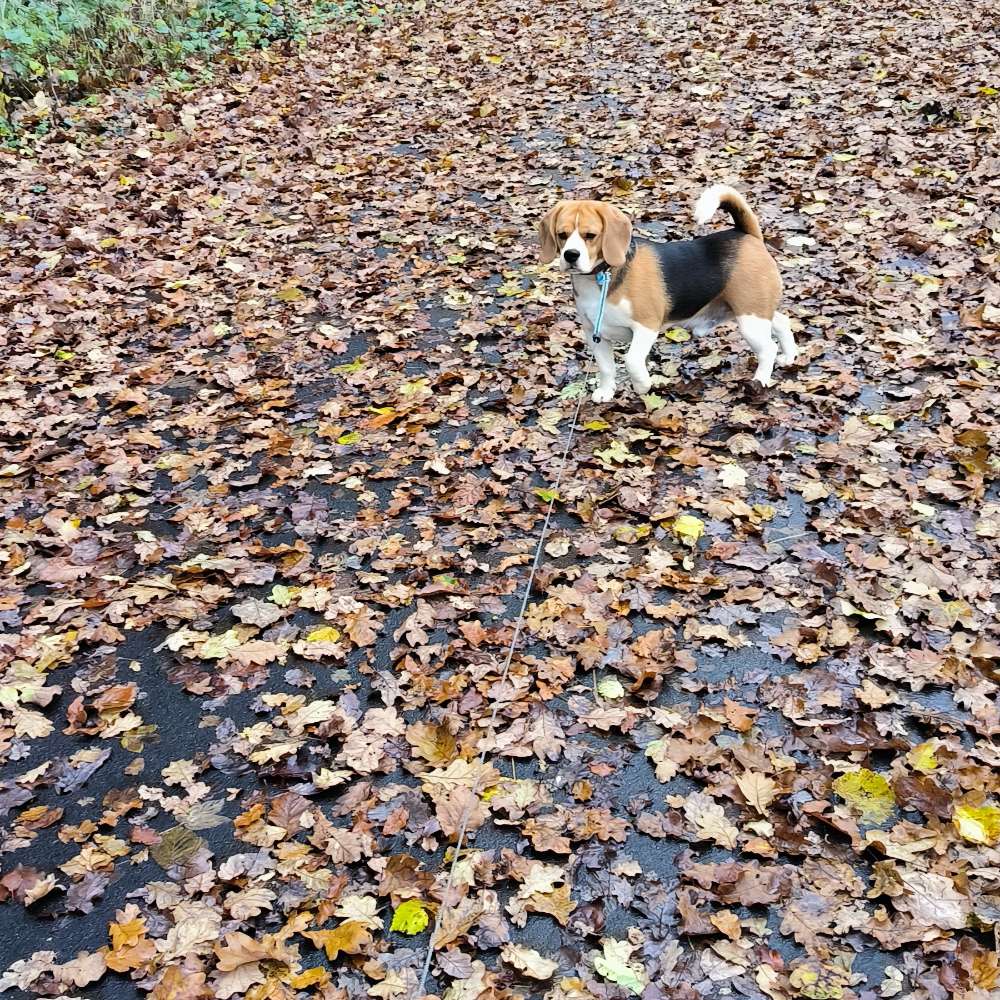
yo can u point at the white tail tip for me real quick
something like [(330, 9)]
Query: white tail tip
[(708, 204)]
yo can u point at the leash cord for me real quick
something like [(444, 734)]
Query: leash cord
[(604, 281)]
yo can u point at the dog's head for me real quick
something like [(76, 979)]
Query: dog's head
[(584, 233)]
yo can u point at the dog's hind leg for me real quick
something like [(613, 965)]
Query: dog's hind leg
[(756, 332), (782, 329)]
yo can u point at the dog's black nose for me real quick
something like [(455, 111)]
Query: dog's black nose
[(572, 256)]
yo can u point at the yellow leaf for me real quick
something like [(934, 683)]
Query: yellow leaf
[(867, 793), (596, 425), (881, 420), (350, 937), (127, 933), (611, 688), (326, 633), (411, 917), (308, 977), (978, 825), (351, 437), (348, 369), (688, 528), (290, 293), (921, 758), (677, 335)]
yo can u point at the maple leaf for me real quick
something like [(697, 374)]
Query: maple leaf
[(410, 917), (868, 793)]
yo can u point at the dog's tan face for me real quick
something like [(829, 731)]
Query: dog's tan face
[(584, 233)]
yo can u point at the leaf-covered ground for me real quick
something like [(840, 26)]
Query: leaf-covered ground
[(284, 397)]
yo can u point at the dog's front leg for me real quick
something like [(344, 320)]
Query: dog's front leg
[(635, 360), (605, 357)]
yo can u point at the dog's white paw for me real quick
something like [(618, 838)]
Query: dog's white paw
[(785, 359), (642, 387), (603, 394)]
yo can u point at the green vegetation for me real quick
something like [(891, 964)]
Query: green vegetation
[(63, 49)]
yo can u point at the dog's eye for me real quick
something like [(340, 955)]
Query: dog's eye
[(564, 236), (590, 236)]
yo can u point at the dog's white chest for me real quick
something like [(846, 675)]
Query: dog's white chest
[(617, 322)]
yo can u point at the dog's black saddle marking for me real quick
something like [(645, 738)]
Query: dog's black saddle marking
[(696, 271)]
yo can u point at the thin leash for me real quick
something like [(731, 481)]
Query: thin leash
[(604, 281)]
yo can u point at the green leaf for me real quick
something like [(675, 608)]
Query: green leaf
[(614, 965), (215, 647), (351, 437), (547, 495), (615, 454), (411, 917), (177, 847), (349, 368), (867, 793), (281, 595), (572, 390)]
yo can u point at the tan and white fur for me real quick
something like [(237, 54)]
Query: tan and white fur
[(695, 284)]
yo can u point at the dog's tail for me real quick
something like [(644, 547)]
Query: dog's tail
[(722, 196)]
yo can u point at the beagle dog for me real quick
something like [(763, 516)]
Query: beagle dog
[(695, 284)]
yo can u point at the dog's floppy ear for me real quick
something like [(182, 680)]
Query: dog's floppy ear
[(547, 235), (617, 235)]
